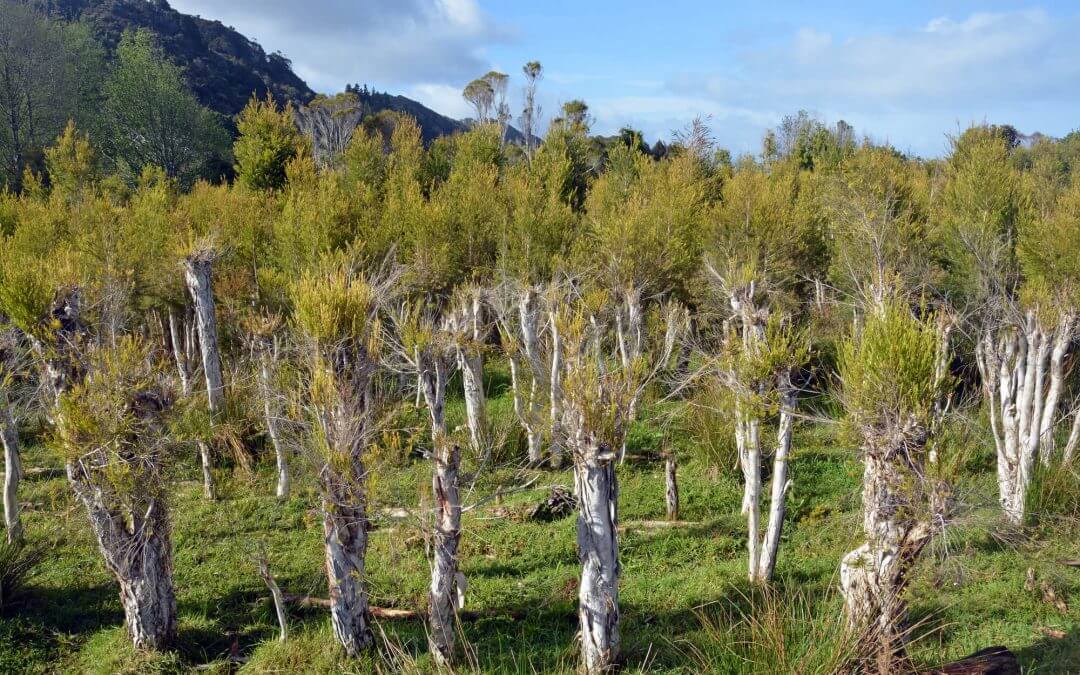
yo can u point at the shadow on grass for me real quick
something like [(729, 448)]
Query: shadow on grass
[(1052, 655)]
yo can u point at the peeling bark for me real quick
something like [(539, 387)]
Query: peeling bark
[(899, 512), (1023, 371), (555, 388), (198, 270), (345, 536), (446, 593), (597, 490), (446, 581)]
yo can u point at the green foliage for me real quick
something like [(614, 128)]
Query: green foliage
[(1047, 249), (768, 227), (878, 224), (52, 72), (887, 370), (1054, 494), (982, 206), (267, 141), (151, 118)]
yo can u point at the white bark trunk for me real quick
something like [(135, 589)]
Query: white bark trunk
[(780, 483), (9, 436), (207, 476), (182, 341), (1074, 438), (597, 491), (270, 416), (138, 551), (555, 389), (874, 576), (198, 275), (671, 486), (345, 537), (446, 590), (526, 410)]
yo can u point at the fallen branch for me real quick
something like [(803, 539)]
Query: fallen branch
[(395, 614), (275, 592), (659, 524)]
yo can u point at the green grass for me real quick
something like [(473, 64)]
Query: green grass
[(686, 606)]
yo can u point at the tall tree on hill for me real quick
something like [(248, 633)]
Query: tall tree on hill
[(150, 118), (530, 114), (49, 73)]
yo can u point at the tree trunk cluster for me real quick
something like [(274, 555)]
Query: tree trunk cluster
[(1023, 372)]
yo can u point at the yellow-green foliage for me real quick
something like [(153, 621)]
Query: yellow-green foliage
[(877, 217), (72, 163), (600, 391), (115, 419), (333, 304), (541, 224), (1048, 248), (769, 223), (756, 364), (982, 204), (268, 140), (887, 371), (647, 219)]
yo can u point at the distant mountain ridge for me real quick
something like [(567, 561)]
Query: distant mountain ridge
[(222, 66)]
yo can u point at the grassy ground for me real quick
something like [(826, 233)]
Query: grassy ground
[(686, 606)]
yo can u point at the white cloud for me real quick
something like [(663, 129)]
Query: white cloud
[(987, 66), (387, 43), (444, 98)]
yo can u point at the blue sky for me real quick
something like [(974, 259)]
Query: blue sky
[(905, 72)]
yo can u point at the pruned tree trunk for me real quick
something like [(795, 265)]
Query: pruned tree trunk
[(446, 582), (469, 326), (137, 548), (629, 331), (198, 270), (527, 408), (270, 416), (9, 436), (780, 483), (671, 486), (597, 490), (182, 341), (1074, 438), (555, 388), (205, 462), (898, 515), (345, 537), (276, 595), (198, 275), (446, 594)]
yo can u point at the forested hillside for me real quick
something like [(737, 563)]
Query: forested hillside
[(222, 67)]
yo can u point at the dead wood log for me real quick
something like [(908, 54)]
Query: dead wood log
[(990, 661)]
